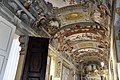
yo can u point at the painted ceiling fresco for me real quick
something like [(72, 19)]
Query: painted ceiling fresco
[(84, 33), (79, 41), (78, 29)]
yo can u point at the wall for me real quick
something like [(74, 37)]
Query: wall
[(12, 60), (117, 37)]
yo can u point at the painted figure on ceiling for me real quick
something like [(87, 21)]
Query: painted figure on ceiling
[(100, 14), (103, 9)]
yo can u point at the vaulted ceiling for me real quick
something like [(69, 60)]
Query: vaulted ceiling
[(78, 29), (83, 31)]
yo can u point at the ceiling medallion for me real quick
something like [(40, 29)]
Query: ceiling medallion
[(73, 16), (117, 10), (86, 44)]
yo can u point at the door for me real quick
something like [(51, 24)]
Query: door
[(7, 31), (36, 59)]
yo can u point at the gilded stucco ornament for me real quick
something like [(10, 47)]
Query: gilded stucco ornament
[(73, 16), (53, 25), (100, 14)]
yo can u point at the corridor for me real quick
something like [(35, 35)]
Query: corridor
[(60, 39)]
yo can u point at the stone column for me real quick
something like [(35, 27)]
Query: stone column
[(23, 44)]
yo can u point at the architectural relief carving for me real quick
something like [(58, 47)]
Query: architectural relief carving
[(53, 25), (58, 69), (23, 44), (100, 15), (40, 21)]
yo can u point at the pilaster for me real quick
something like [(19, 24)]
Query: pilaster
[(23, 44)]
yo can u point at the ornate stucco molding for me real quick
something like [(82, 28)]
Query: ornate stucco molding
[(23, 44)]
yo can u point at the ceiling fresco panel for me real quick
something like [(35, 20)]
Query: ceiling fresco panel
[(79, 29), (78, 41), (74, 14)]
